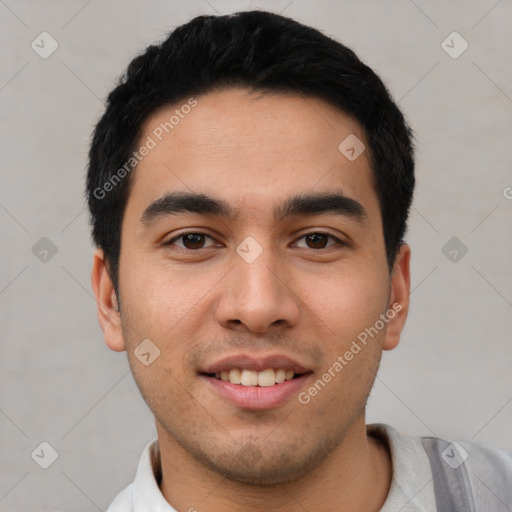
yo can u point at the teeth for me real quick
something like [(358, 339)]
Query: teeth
[(249, 378), (280, 376), (264, 378), (235, 376)]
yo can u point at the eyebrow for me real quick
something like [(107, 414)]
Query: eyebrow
[(299, 205)]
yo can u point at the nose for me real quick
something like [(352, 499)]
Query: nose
[(257, 296)]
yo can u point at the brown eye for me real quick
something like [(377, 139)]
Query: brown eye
[(191, 241), (319, 241)]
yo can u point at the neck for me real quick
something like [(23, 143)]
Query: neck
[(356, 476)]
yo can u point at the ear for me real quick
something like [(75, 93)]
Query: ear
[(399, 297), (109, 316)]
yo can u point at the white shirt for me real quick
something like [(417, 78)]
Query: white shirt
[(410, 491)]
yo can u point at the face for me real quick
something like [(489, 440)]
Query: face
[(253, 250)]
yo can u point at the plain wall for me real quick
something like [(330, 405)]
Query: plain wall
[(59, 383)]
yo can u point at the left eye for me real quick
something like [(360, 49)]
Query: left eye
[(191, 241), (319, 240)]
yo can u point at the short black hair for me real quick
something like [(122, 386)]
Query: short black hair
[(261, 51)]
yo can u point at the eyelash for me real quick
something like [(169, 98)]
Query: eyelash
[(182, 235)]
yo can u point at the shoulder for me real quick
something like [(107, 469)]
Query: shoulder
[(476, 458), (123, 502), (489, 475), (473, 475), (467, 474)]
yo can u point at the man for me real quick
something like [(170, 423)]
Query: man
[(249, 186)]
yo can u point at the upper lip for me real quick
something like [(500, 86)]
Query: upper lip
[(255, 363)]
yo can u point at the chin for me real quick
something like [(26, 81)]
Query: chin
[(251, 466), (262, 475)]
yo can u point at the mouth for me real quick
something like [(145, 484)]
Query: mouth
[(247, 382)]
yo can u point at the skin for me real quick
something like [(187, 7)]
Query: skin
[(309, 303)]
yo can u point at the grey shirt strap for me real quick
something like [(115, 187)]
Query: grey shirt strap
[(451, 482)]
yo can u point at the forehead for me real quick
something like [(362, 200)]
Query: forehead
[(250, 149)]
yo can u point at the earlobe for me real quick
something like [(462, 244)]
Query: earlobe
[(399, 298), (107, 307)]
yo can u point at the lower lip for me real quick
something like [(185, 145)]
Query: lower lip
[(257, 397)]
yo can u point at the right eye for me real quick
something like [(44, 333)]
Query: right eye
[(191, 241)]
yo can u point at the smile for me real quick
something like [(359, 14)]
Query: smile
[(255, 381), (265, 378)]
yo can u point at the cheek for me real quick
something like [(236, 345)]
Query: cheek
[(168, 307), (346, 303), (154, 298), (155, 307)]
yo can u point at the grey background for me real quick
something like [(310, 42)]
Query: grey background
[(451, 374)]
